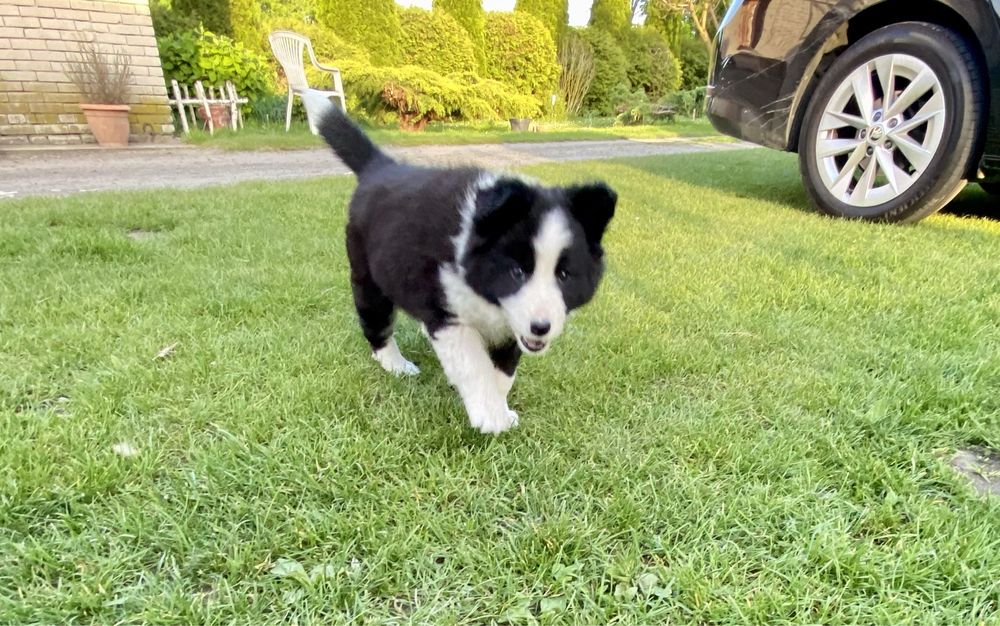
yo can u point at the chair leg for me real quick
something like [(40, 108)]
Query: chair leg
[(288, 112), (343, 103)]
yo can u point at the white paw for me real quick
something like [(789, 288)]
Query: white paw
[(497, 423), (393, 362)]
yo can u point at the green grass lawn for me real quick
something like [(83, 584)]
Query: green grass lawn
[(750, 424), (274, 137)]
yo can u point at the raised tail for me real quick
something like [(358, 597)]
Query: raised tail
[(348, 141)]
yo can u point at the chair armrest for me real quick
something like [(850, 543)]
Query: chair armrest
[(327, 68)]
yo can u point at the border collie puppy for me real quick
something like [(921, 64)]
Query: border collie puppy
[(489, 263)]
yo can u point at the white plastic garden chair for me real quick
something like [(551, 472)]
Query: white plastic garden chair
[(288, 47)]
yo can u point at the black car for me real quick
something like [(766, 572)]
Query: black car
[(892, 105)]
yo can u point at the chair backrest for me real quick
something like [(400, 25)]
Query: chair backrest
[(288, 47)]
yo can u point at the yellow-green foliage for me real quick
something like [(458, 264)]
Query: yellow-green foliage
[(370, 24), (472, 17), (614, 16), (246, 21), (554, 14), (416, 95), (436, 41), (329, 47), (521, 54)]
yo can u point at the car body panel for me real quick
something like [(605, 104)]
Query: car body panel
[(767, 51)]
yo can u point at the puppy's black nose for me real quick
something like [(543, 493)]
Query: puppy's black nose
[(540, 329)]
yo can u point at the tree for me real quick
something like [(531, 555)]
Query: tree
[(553, 13), (610, 70), (613, 16), (702, 15), (435, 40), (472, 17), (651, 64), (372, 25), (521, 54)]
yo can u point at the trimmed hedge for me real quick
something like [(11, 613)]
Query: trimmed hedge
[(521, 54), (436, 41), (652, 66), (202, 55), (610, 71), (370, 24), (471, 16), (554, 14)]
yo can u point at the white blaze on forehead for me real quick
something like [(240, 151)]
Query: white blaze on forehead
[(553, 237), (540, 299)]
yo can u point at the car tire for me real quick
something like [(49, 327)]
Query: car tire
[(864, 160)]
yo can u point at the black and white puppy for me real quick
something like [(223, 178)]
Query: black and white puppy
[(489, 263)]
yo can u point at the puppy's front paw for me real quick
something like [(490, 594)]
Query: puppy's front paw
[(393, 362), (495, 423)]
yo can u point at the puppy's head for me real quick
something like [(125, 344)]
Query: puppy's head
[(536, 253)]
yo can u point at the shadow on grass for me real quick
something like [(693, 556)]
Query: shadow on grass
[(973, 202), (771, 176)]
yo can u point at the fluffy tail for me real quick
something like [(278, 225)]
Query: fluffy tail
[(347, 140)]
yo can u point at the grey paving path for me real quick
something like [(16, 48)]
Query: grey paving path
[(68, 172)]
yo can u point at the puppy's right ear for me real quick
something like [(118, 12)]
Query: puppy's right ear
[(500, 206)]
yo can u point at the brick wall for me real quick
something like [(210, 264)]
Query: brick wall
[(38, 103)]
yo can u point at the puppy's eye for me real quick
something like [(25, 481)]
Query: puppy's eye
[(562, 275), (517, 273)]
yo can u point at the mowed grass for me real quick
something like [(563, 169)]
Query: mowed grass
[(750, 424), (274, 137)]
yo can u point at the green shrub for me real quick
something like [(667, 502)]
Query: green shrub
[(613, 16), (416, 96), (202, 55), (521, 54), (500, 101), (471, 16), (554, 14), (694, 63), (651, 64), (330, 49), (213, 15), (166, 21), (631, 107), (299, 10), (435, 40), (689, 102), (576, 60), (610, 70), (246, 22), (369, 24), (240, 19)]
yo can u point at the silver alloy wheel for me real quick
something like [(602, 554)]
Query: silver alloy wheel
[(880, 130)]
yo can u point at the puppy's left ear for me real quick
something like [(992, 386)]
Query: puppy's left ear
[(592, 205)]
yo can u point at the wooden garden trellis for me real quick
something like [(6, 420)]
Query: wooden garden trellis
[(186, 105)]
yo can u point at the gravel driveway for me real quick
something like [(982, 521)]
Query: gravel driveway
[(73, 171)]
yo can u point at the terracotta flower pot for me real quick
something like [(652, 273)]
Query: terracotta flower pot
[(220, 115), (109, 123)]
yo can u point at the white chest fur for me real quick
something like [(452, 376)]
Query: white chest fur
[(471, 309)]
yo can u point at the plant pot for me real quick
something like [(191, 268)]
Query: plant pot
[(220, 115), (520, 124), (109, 123)]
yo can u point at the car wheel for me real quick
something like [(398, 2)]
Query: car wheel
[(892, 127)]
